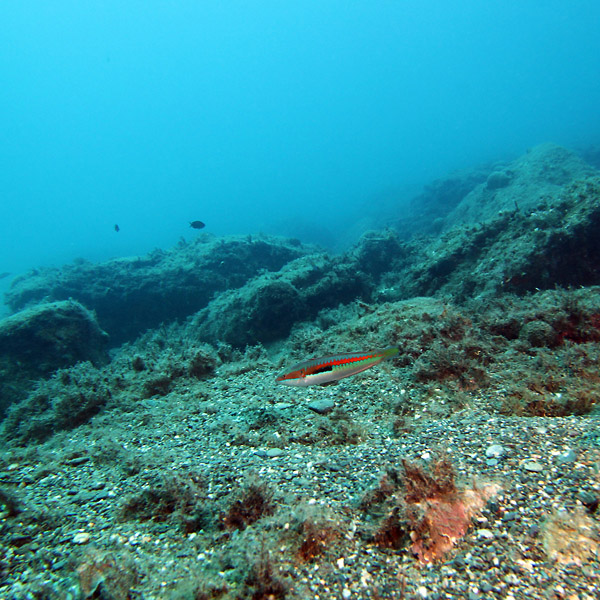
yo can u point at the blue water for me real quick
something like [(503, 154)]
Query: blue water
[(292, 117)]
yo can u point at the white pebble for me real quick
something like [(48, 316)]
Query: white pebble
[(81, 538), (346, 593), (495, 451), (533, 466), (485, 534), (274, 452)]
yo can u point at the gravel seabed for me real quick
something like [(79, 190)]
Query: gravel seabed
[(68, 537)]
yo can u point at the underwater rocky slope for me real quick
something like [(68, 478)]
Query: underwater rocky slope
[(148, 452)]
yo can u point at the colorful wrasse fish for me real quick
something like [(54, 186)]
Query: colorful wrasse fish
[(318, 371)]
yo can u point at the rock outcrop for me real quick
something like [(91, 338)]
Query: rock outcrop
[(537, 177), (555, 244), (37, 341), (530, 224), (131, 295)]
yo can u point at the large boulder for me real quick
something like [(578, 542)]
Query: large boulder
[(266, 308), (37, 341)]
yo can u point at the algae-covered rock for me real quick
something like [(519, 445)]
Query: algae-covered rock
[(263, 310), (426, 212), (267, 307), (538, 175), (39, 340), (498, 179), (71, 397), (376, 252), (539, 334), (133, 294), (557, 243)]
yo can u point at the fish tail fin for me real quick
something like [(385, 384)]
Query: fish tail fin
[(389, 352)]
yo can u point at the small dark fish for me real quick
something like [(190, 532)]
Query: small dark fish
[(117, 228), (197, 225), (3, 275)]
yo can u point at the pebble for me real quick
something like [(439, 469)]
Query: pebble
[(485, 587), (283, 405), (322, 472), (85, 496), (533, 466), (274, 452), (78, 460), (81, 538), (495, 451), (485, 534), (589, 500), (566, 457), (322, 407)]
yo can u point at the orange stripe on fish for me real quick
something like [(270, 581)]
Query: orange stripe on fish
[(318, 371)]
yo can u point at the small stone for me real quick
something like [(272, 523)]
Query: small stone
[(274, 452), (86, 496), (485, 534), (495, 451), (78, 460), (81, 538), (510, 516), (322, 407), (589, 500), (566, 457), (283, 405), (533, 466), (59, 564)]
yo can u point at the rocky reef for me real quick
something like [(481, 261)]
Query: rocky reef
[(512, 227), (37, 341), (131, 295), (522, 250), (536, 178)]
